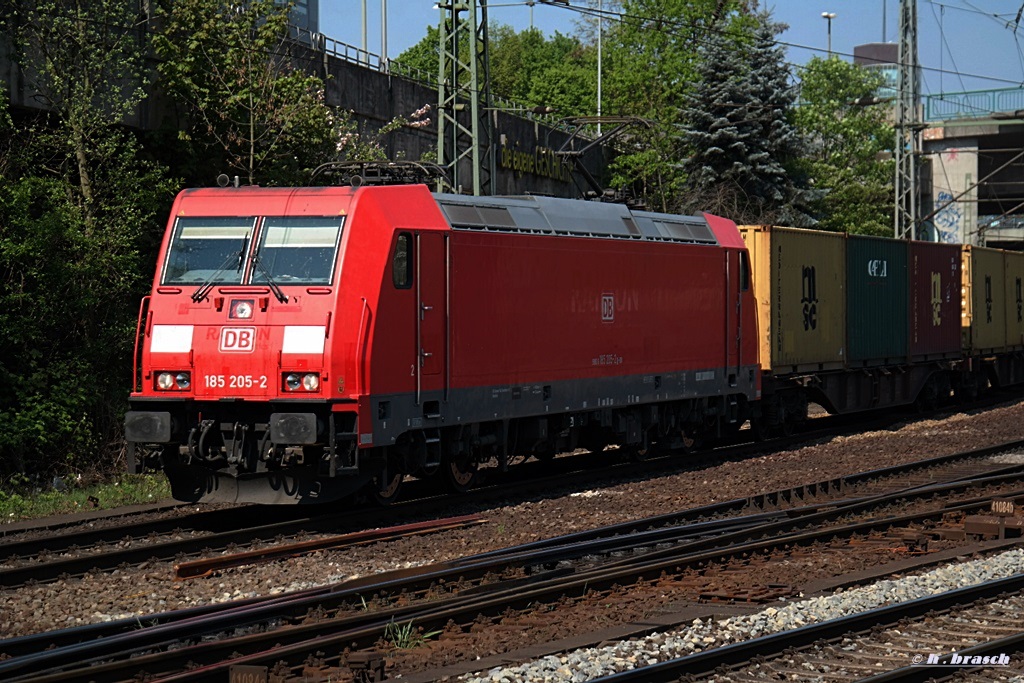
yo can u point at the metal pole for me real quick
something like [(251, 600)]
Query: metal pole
[(600, 26), (829, 16), (365, 50), (384, 35)]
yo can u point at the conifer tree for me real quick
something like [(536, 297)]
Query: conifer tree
[(737, 130)]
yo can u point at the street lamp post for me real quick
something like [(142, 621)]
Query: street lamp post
[(829, 16)]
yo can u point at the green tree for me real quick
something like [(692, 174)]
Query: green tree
[(79, 202), (846, 137), (525, 68), (230, 63), (422, 60), (737, 129), (650, 64), (85, 64)]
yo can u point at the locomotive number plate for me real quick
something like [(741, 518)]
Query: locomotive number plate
[(235, 381)]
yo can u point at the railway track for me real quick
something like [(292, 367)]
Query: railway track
[(912, 641), (486, 586), (69, 551)]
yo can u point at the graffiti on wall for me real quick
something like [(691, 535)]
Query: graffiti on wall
[(948, 218)]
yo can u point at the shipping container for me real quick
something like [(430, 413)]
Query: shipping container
[(876, 300), (799, 278), (984, 300), (1014, 297), (935, 283)]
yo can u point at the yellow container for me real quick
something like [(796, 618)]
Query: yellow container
[(984, 300), (1014, 298), (799, 278)]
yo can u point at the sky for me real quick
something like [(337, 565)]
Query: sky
[(963, 45)]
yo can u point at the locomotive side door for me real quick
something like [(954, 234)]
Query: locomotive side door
[(431, 313), (735, 277)]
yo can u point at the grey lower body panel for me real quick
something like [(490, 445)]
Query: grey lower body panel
[(397, 414)]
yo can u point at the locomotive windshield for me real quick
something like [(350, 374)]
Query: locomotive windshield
[(213, 251), (298, 250), (202, 246)]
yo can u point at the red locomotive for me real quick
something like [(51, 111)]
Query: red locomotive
[(300, 344)]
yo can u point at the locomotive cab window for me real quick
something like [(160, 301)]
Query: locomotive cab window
[(401, 262), (207, 250), (298, 250), (744, 271)]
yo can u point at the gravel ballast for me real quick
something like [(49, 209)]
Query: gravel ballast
[(150, 588), (590, 663)]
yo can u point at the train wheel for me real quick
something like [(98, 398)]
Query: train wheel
[(689, 440), (639, 453), (460, 471), (385, 490), (760, 428)]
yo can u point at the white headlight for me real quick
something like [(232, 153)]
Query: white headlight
[(183, 379), (311, 382), (165, 380), (292, 381)]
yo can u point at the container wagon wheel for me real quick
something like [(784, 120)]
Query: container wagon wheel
[(760, 428), (641, 452), (787, 425), (689, 440)]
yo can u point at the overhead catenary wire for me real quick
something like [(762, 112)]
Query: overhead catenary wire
[(670, 27)]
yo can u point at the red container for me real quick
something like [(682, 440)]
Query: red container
[(934, 300)]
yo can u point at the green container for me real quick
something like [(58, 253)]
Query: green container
[(877, 309)]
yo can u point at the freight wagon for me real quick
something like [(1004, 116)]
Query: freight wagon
[(856, 323)]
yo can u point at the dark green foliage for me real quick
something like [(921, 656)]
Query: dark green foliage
[(251, 107), (651, 65), (737, 130), (525, 67), (67, 306), (80, 210)]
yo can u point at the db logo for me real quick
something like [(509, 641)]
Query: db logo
[(608, 307), (237, 339)]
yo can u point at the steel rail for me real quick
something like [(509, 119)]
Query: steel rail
[(27, 644), (737, 654), (211, 519), (225, 522), (545, 586), (206, 566), (922, 673)]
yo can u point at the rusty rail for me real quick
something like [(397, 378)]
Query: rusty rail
[(199, 568)]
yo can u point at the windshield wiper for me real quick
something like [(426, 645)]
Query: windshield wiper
[(281, 296), (204, 289)]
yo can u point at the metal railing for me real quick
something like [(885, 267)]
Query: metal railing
[(370, 60), (973, 104)]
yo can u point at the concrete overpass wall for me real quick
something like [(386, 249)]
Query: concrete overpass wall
[(522, 148)]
